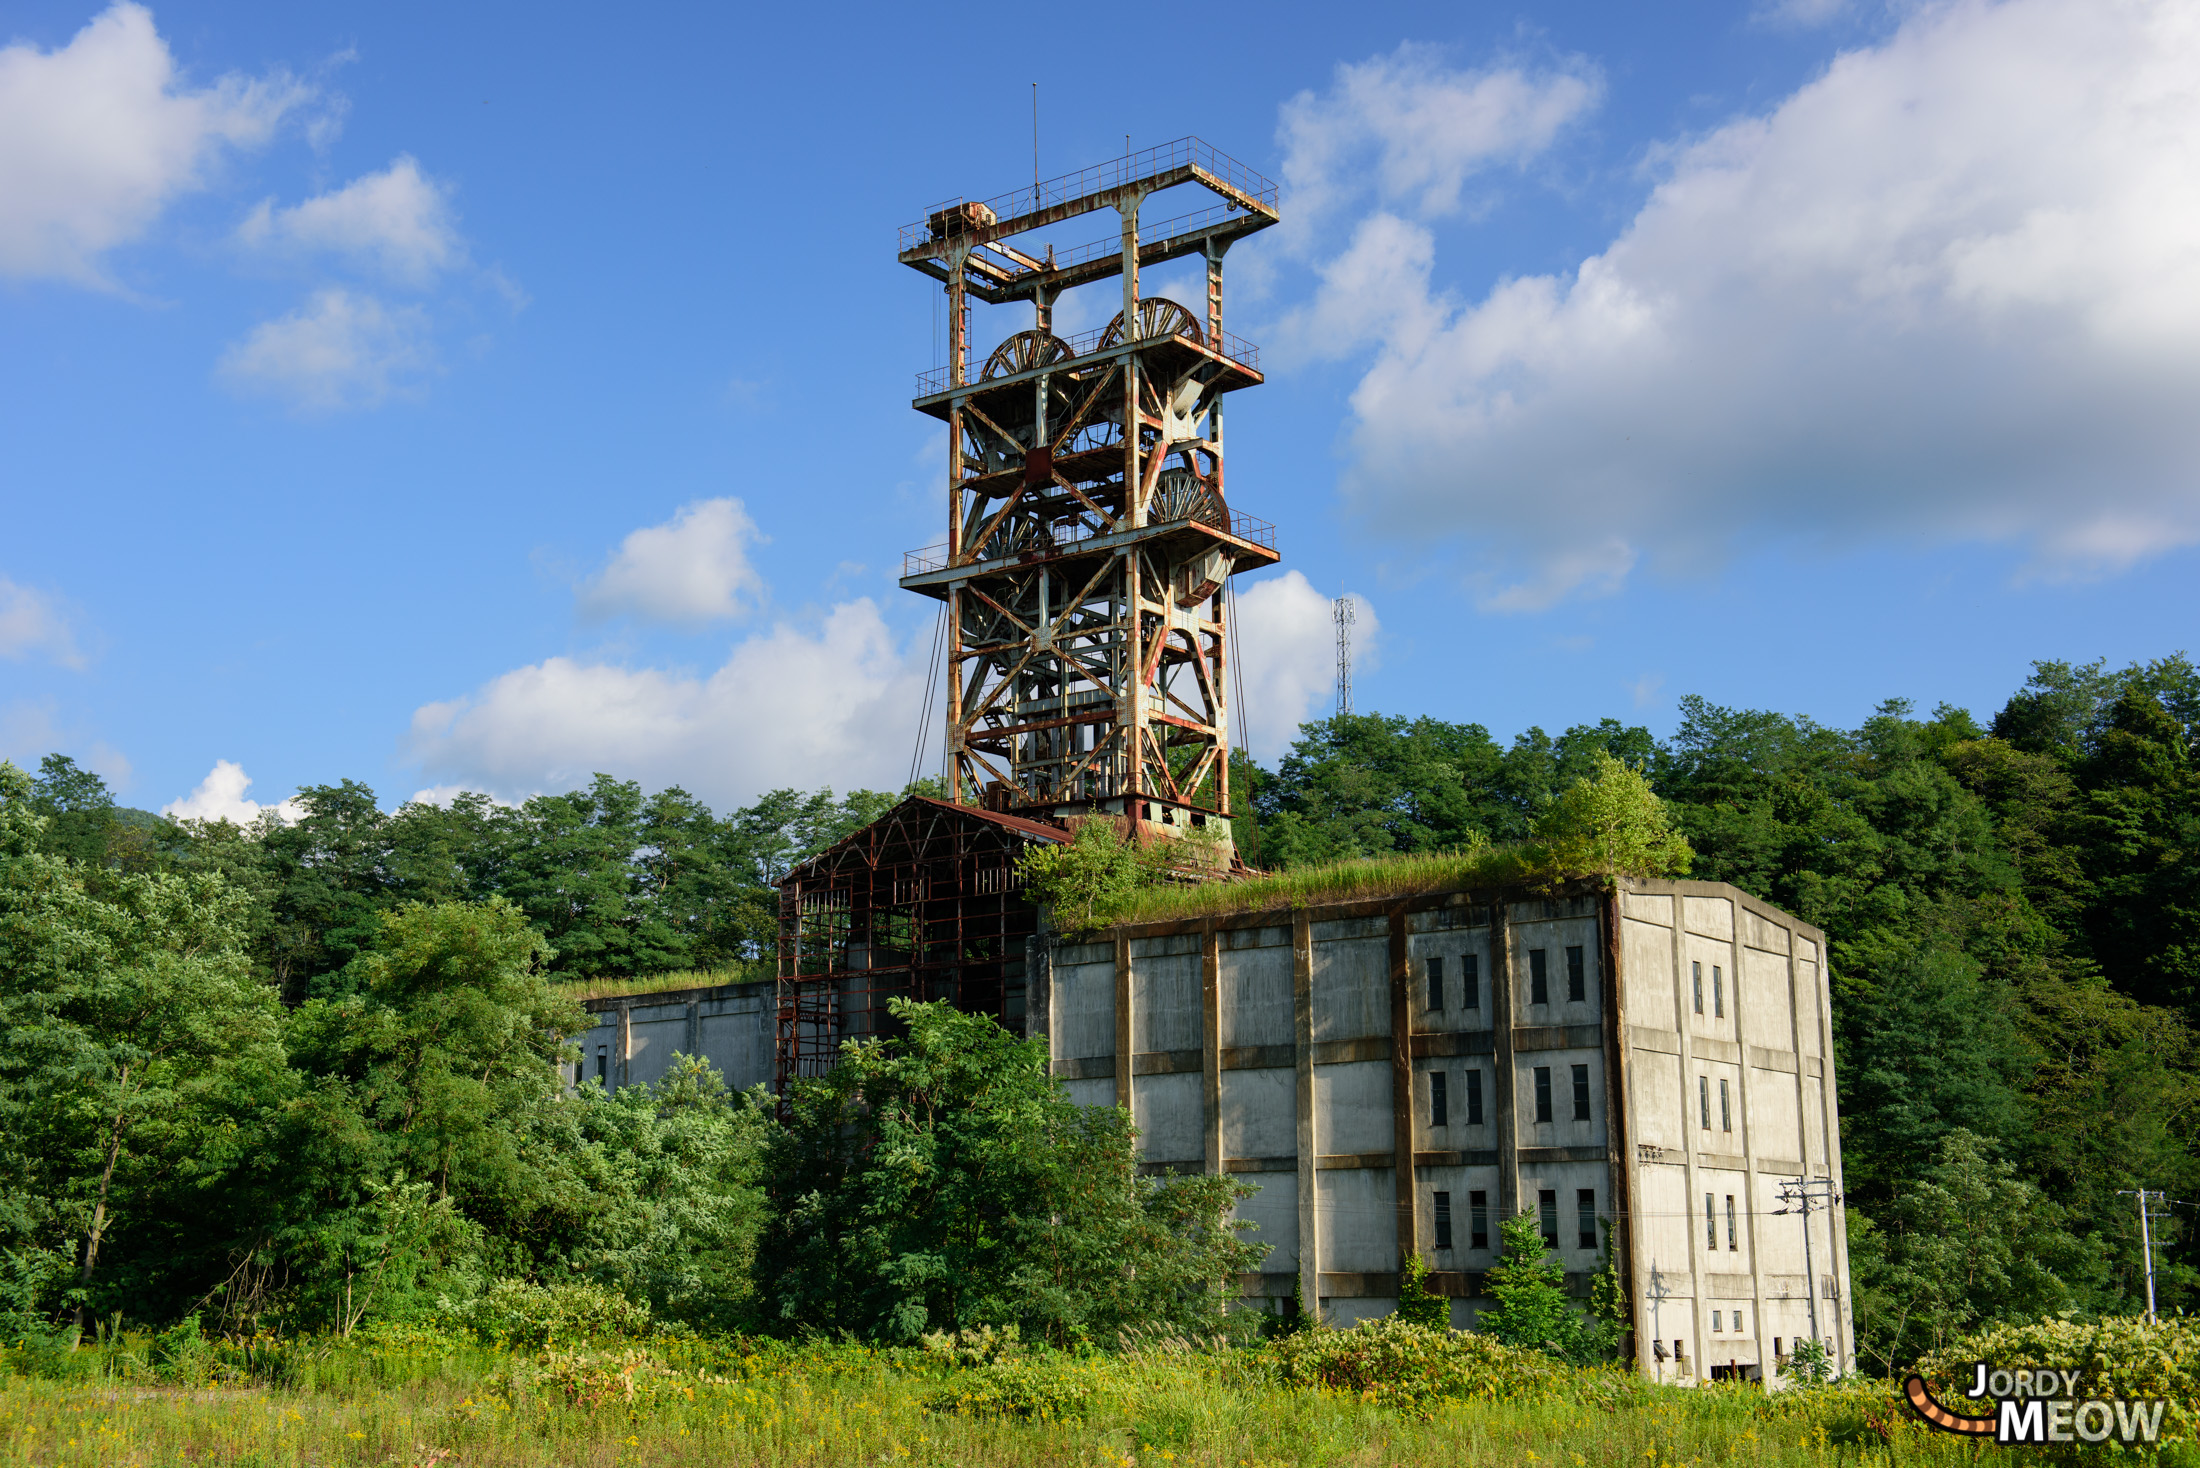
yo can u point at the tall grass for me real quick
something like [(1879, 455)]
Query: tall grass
[(1363, 879), (613, 987), (343, 1405)]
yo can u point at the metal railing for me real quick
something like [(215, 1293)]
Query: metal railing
[(1245, 527), (1113, 174), (1084, 344)]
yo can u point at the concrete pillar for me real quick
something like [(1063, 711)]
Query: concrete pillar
[(1210, 1045), (1401, 1088), (1302, 1049)]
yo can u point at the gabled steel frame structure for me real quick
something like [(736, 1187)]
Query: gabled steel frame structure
[(1090, 538), (924, 903)]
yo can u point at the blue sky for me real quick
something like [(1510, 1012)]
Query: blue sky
[(482, 398)]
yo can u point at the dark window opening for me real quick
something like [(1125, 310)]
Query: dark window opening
[(1542, 1093), (1710, 1222), (1436, 983), (1732, 1238), (1585, 1201), (1718, 993), (1703, 1100), (1581, 1093), (1470, 978), (1546, 1202), (1726, 1109), (1697, 969), (1474, 1098), (1478, 1219), (1443, 1220), (1539, 977), (603, 1065), (1577, 980), (1439, 1103)]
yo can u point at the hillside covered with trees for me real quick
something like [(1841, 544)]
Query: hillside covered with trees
[(260, 1065)]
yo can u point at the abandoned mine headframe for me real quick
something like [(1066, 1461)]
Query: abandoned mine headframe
[(1084, 583)]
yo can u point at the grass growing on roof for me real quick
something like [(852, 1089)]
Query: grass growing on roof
[(614, 987), (1361, 879)]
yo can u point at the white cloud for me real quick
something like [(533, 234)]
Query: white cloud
[(1412, 131), (1287, 651), (1950, 289), (98, 137), (789, 707), (340, 350), (693, 568), (220, 797), (397, 221), (32, 624)]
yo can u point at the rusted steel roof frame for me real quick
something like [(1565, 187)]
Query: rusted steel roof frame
[(923, 903)]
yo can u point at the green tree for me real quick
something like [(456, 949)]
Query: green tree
[(1528, 1304), (1610, 823), (1085, 881), (1417, 1303), (1970, 1245), (121, 1014), (943, 1181)]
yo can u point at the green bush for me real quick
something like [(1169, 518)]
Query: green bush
[(2120, 1356), (1410, 1368), (1048, 1388), (514, 1312)]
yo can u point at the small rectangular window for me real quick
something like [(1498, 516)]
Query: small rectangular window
[(1726, 1109), (1470, 981), (1776, 1351), (1436, 983), (1577, 980), (1715, 1325), (1733, 1239), (1439, 1102), (1478, 1219), (1443, 1220), (1710, 1222), (1539, 977), (1474, 1097), (603, 1064), (1542, 1093), (1718, 993), (1585, 1207), (1703, 1100), (1738, 1324), (1546, 1202), (580, 1071), (1581, 1093), (1698, 969)]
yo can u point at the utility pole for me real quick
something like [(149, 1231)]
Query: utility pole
[(1341, 611), (1806, 1196), (2146, 1239)]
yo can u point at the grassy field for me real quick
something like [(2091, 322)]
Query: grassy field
[(429, 1401)]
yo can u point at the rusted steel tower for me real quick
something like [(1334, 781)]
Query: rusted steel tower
[(1089, 536)]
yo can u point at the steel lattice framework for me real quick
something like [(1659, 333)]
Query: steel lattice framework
[(1090, 537)]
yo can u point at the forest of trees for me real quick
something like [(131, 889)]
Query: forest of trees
[(232, 1058)]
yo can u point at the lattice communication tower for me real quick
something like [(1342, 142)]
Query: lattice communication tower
[(1089, 535)]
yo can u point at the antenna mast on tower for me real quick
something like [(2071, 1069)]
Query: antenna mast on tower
[(1341, 610)]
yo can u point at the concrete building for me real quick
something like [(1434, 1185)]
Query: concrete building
[(1401, 1075), (1658, 1057)]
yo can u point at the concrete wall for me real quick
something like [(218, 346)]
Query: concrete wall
[(733, 1026), (1729, 1101)]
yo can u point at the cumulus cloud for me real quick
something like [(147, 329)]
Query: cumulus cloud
[(221, 797), (96, 138), (397, 221), (1949, 289), (31, 625), (693, 568), (1287, 653), (342, 349), (1412, 131), (789, 707)]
